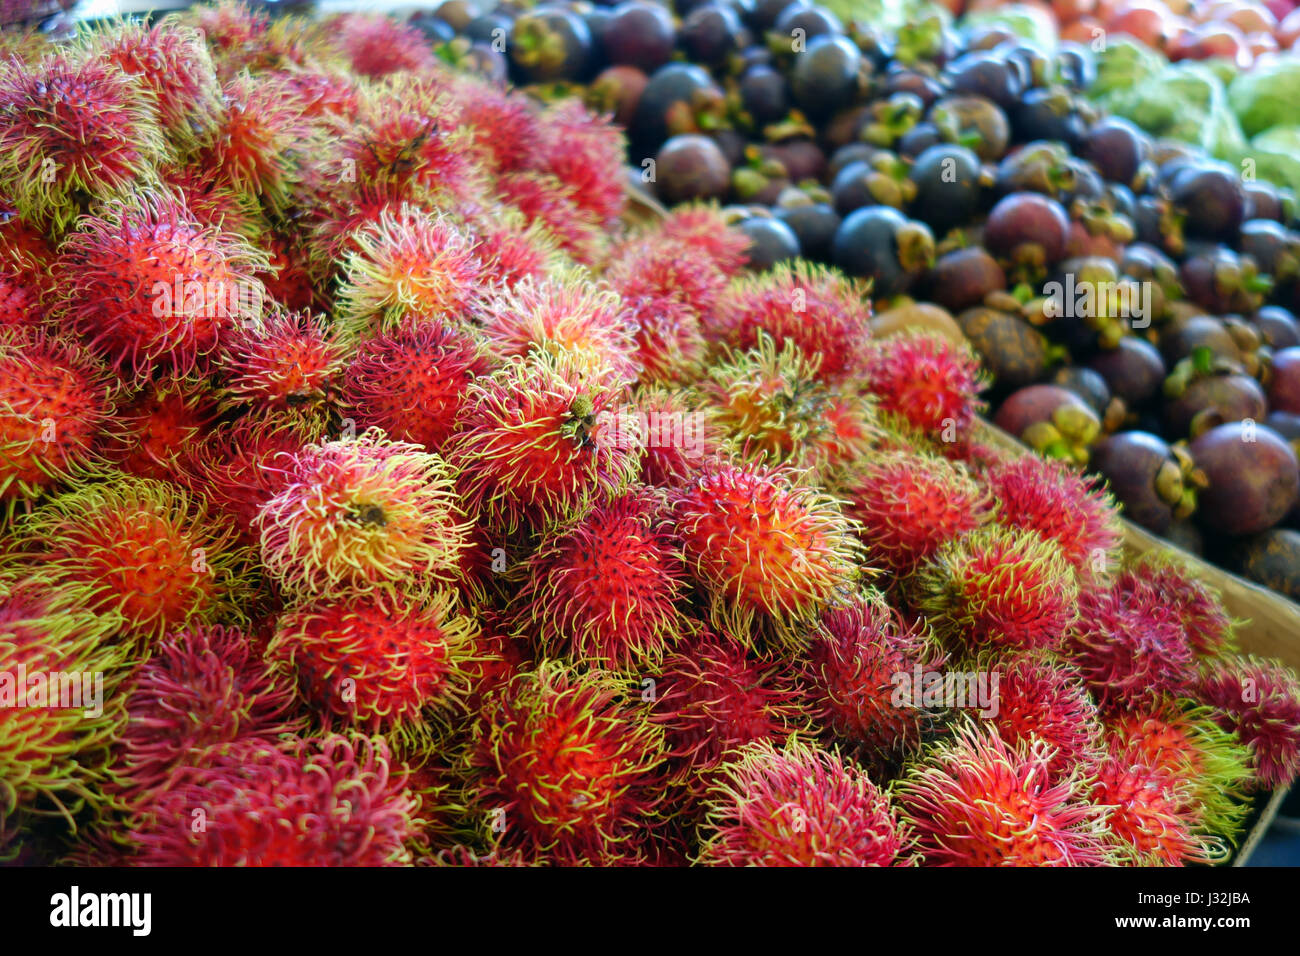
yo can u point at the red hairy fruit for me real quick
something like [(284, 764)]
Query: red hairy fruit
[(261, 140), (712, 697), (378, 663), (463, 856), (1130, 645), (413, 381), (1259, 701), (768, 551), (999, 588), (57, 403), (511, 249), (161, 427), (1072, 509), (1147, 819), (585, 152), (647, 269), (290, 361), (139, 549), (289, 280), (608, 590), (545, 199), (73, 129), (503, 125), (1040, 697), (149, 287), (364, 513), (799, 805), (1198, 604), (855, 658), (975, 800), (670, 345), (20, 305), (677, 436), (909, 504), (931, 382), (202, 686), (377, 45), (563, 313), (323, 93), (569, 769), (332, 801), (529, 450), (704, 229), (409, 264), (827, 316)]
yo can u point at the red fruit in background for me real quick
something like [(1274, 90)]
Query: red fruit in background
[(1248, 17), (705, 229), (1145, 20), (1148, 819), (1259, 701), (1253, 474), (1284, 381)]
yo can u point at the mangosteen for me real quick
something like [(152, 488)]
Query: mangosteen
[(1116, 148), (973, 122), (710, 33), (949, 184), (1076, 66), (1219, 281), (490, 28), (1275, 248), (1278, 327), (1035, 66), (882, 243), (1266, 201), (1156, 483), (1201, 393), (767, 12), (1146, 263), (801, 158), (1212, 200), (814, 225), (617, 91), (1039, 167), (676, 94), (1284, 381), (810, 22), (550, 44), (1133, 370), (434, 29), (988, 74), (963, 277), (925, 88), (1159, 224), (1013, 351), (1029, 230), (1085, 383), (918, 139), (1052, 420), (1050, 113), (852, 153), (770, 241), (1253, 478), (689, 167), (1182, 337), (764, 94)]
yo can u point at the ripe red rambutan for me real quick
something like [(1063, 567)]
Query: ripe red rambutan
[(20, 305), (999, 588), (378, 663), (568, 766), (827, 316), (1130, 645), (149, 287), (677, 437), (1147, 820), (74, 129), (563, 313), (229, 26), (1041, 697), (512, 249), (855, 655), (1061, 504), (585, 152), (768, 551), (214, 203), (377, 45), (502, 125), (670, 344), (290, 361), (529, 448), (364, 512), (1198, 604), (909, 504), (57, 404), (975, 800), (413, 264), (711, 698), (799, 805), (332, 801), (662, 270), (607, 590), (1259, 701), (927, 379), (413, 381), (140, 549), (289, 280), (323, 93), (261, 139), (202, 686), (703, 228), (336, 218), (547, 201), (160, 426)]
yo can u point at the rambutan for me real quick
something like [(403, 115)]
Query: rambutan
[(703, 228), (71, 130), (364, 512), (261, 139), (413, 381), (529, 450), (229, 26), (1147, 820), (290, 361), (378, 663), (323, 93), (377, 45), (768, 551), (567, 766), (202, 686), (412, 263), (670, 344), (677, 436), (855, 656), (1061, 504), (1198, 603), (546, 200), (149, 287), (332, 801), (799, 805), (975, 800), (607, 590), (909, 504), (927, 379), (55, 735), (215, 204), (563, 313), (662, 270), (139, 549), (502, 125), (999, 588), (827, 316), (20, 305), (585, 152), (1259, 701), (289, 280), (1130, 645), (57, 403), (1040, 697), (160, 426)]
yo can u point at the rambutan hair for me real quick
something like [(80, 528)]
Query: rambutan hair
[(512, 249), (1198, 603), (800, 805), (546, 200), (975, 800), (931, 382), (20, 304), (151, 288), (291, 361), (76, 128), (999, 588), (1259, 701), (568, 765), (701, 226), (642, 268), (160, 427), (379, 663), (262, 139), (503, 125), (332, 801), (364, 513), (608, 590), (678, 437), (585, 152), (377, 45), (768, 551), (670, 344), (1147, 818)]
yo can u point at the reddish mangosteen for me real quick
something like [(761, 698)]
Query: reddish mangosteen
[(1028, 230), (1155, 482), (1284, 381), (691, 166), (1133, 369), (963, 277), (1252, 474), (1201, 393), (1052, 420)]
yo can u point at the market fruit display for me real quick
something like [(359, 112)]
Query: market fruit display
[(391, 482)]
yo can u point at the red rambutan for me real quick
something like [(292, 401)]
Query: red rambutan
[(678, 437), (261, 139), (585, 152), (1198, 604), (928, 380), (512, 250), (160, 426), (289, 280), (1259, 701), (670, 345), (800, 806), (365, 513), (546, 200), (1147, 819), (673, 271), (377, 45), (974, 800), (503, 125), (20, 305), (703, 227), (290, 361)]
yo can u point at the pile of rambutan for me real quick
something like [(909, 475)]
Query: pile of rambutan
[(406, 508)]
